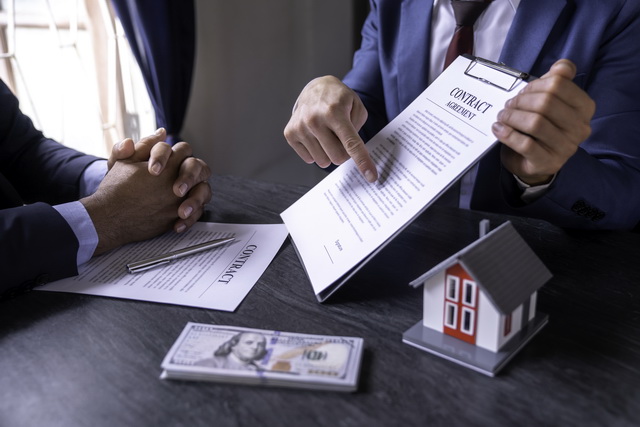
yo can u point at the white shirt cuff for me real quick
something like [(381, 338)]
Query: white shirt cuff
[(92, 176), (531, 193), (78, 219)]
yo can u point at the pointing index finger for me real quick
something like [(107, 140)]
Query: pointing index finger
[(356, 149)]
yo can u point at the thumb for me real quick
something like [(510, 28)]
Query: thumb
[(563, 68), (121, 151)]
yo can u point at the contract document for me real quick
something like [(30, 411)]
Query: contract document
[(218, 278), (344, 220)]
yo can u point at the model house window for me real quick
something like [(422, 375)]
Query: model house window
[(468, 321), (451, 315), (469, 296), (453, 285)]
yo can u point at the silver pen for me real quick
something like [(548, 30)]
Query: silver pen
[(158, 260)]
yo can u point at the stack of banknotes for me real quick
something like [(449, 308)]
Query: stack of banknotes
[(229, 354)]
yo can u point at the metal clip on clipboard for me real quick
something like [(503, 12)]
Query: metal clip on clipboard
[(498, 75)]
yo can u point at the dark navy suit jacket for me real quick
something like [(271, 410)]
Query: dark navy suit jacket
[(599, 187), (36, 243)]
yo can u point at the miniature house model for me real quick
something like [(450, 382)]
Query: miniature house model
[(480, 303)]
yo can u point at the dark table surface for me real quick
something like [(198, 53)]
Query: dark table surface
[(76, 360)]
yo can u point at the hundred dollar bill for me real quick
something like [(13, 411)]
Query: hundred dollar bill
[(256, 356)]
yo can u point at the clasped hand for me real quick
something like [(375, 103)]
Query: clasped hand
[(150, 188)]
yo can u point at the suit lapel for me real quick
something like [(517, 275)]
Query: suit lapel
[(529, 32), (413, 68)]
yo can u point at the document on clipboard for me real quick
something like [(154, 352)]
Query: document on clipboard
[(344, 221)]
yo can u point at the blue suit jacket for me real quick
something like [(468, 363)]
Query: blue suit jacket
[(599, 187), (36, 243)]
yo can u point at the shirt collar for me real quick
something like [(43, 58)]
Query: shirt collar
[(514, 3)]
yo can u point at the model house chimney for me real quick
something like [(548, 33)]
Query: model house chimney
[(484, 227)]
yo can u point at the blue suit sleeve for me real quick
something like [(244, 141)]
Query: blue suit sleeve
[(365, 78)]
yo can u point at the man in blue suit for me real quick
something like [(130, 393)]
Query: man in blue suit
[(570, 141), (59, 207)]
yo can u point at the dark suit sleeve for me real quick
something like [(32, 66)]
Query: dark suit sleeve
[(36, 243), (39, 168), (38, 246)]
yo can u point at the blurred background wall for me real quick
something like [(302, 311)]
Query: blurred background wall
[(253, 58)]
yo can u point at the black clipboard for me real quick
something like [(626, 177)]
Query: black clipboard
[(505, 77)]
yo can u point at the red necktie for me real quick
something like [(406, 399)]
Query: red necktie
[(466, 13)]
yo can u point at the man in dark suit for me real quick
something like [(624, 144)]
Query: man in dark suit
[(569, 152), (52, 216)]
